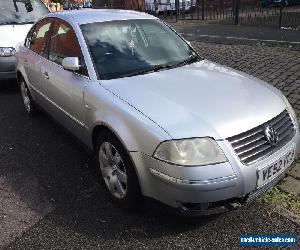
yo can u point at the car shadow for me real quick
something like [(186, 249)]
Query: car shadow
[(96, 217)]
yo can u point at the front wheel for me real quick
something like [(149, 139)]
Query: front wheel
[(27, 99), (118, 172)]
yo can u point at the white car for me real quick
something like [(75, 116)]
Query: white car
[(16, 19)]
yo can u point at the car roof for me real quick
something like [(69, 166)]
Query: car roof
[(101, 15)]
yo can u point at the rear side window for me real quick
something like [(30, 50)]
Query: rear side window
[(39, 37), (64, 43)]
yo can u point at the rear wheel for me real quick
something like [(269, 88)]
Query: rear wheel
[(27, 99), (117, 171)]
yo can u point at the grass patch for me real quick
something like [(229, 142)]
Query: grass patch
[(279, 198)]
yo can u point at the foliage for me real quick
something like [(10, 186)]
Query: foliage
[(286, 200)]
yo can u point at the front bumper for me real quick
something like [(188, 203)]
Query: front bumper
[(206, 189), (8, 68)]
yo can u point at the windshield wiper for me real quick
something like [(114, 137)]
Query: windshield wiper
[(149, 70), (191, 59)]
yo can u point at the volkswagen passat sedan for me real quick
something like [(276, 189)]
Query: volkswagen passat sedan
[(163, 122)]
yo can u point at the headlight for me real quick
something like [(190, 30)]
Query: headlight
[(290, 109), (190, 152), (7, 52)]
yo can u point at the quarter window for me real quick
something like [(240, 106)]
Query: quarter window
[(64, 43)]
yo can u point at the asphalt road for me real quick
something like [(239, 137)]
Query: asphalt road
[(50, 198)]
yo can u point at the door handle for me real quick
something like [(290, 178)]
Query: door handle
[(88, 106), (46, 75)]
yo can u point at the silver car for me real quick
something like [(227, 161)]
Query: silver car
[(163, 122)]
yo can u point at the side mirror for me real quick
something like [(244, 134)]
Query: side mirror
[(71, 63)]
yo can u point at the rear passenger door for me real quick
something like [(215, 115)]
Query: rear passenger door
[(34, 60), (64, 89)]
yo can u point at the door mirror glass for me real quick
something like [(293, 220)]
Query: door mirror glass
[(71, 63)]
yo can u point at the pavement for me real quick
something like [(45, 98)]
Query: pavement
[(291, 184), (51, 199), (203, 31)]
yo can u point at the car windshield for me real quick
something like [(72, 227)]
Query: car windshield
[(21, 11), (133, 47)]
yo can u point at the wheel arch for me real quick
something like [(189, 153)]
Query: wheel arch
[(98, 128), (105, 127), (19, 76), (22, 76)]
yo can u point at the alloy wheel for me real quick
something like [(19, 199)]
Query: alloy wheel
[(113, 170)]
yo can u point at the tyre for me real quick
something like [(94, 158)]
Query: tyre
[(117, 171), (27, 99)]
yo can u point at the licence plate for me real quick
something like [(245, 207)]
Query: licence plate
[(271, 171)]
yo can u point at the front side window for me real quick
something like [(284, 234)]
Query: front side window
[(124, 48), (39, 37), (63, 43), (21, 11)]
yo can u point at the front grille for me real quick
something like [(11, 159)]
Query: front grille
[(253, 145)]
